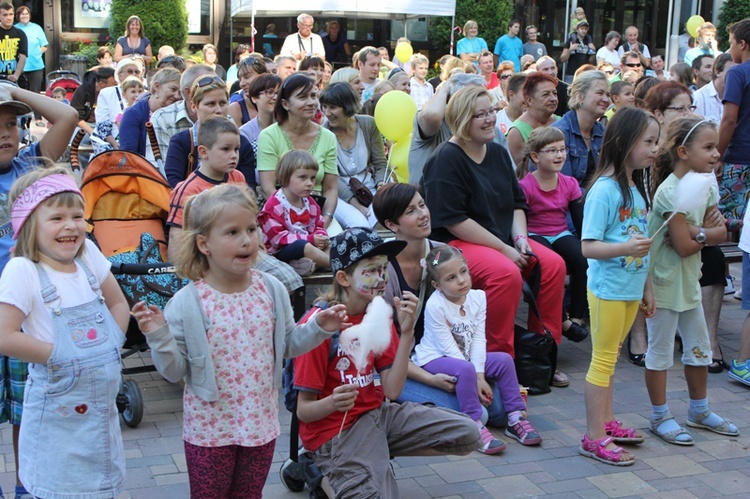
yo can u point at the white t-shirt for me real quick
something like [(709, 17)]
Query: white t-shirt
[(312, 45), (20, 287), (369, 89), (611, 56), (448, 334), (708, 104)]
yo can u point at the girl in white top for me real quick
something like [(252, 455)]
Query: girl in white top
[(62, 311), (454, 343)]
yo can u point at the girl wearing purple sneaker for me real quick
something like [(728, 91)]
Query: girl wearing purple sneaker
[(454, 343)]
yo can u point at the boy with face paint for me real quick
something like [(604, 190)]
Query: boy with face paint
[(337, 400)]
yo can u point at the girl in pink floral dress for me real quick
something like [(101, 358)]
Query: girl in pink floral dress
[(226, 334)]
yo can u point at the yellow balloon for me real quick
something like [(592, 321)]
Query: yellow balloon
[(404, 51), (394, 115), (692, 25), (400, 159)]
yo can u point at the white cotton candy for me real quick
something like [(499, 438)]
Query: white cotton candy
[(372, 335), (692, 191)]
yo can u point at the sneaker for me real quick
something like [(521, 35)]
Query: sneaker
[(523, 432), (738, 295), (491, 444), (729, 286), (739, 372), (303, 266)]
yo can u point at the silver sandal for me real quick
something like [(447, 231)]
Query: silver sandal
[(669, 436), (726, 427)]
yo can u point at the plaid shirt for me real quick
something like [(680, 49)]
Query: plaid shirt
[(167, 122), (421, 92)]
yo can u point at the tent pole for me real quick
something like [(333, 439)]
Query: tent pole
[(252, 31), (231, 30), (453, 22)]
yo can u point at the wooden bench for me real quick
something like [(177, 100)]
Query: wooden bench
[(299, 296), (732, 252)]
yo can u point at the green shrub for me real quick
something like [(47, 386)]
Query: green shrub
[(164, 21), (491, 15), (731, 12)]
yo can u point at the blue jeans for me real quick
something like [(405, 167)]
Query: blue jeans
[(414, 391)]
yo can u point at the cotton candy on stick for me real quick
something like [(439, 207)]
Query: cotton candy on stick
[(691, 193), (370, 337)]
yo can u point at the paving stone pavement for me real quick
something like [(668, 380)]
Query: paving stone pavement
[(715, 466)]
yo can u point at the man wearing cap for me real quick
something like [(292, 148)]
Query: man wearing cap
[(15, 102), (304, 43), (578, 50)]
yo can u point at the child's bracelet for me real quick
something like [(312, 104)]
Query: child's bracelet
[(328, 214), (519, 236)]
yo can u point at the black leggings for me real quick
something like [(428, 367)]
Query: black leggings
[(569, 248)]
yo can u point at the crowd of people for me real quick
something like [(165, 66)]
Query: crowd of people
[(278, 168)]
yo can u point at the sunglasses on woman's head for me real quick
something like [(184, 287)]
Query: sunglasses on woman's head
[(207, 80)]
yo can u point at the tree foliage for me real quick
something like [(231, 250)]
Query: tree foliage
[(491, 15), (731, 12), (164, 21)]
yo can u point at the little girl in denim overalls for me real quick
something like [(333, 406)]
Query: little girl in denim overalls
[(58, 289)]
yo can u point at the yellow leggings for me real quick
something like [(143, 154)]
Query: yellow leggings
[(610, 322)]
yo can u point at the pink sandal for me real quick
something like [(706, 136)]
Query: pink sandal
[(596, 449), (622, 435)]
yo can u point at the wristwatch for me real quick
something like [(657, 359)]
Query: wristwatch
[(701, 235)]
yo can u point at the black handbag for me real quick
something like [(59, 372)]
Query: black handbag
[(536, 351)]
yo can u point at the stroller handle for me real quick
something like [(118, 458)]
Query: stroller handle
[(152, 138), (142, 268), (75, 165)]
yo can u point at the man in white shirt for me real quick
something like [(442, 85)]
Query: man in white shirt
[(304, 43), (707, 99), (631, 45), (368, 62)]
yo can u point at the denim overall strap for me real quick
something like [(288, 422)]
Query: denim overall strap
[(70, 437), (49, 291)]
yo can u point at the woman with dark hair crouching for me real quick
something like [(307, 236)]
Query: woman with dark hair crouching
[(400, 208)]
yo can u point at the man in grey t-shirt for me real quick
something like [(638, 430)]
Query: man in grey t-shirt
[(532, 46)]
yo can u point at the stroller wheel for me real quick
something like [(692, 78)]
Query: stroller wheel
[(132, 414), (292, 475)]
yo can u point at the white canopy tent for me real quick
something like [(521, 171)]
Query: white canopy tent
[(370, 9)]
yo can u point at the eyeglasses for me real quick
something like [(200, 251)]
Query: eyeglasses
[(554, 152), (633, 65), (609, 73), (681, 109), (207, 80), (505, 77), (270, 92), (132, 72), (308, 26), (484, 115)]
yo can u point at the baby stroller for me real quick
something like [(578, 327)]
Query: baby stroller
[(65, 79), (127, 201)]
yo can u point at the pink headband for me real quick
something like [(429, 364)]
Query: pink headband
[(37, 192)]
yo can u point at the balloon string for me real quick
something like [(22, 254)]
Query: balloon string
[(389, 177)]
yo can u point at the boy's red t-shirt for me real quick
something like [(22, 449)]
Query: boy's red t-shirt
[(313, 372)]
